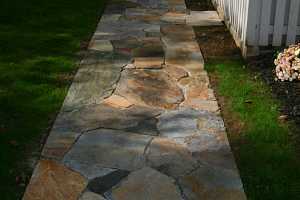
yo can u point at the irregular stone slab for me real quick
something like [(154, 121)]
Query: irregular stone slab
[(211, 149), (201, 80), (69, 125), (197, 92), (119, 7), (178, 8), (149, 41), (110, 149), (149, 88), (58, 143), (204, 18), (153, 4), (186, 122), (89, 171), (105, 116), (206, 105), (191, 62), (211, 123), (178, 123), (179, 32), (149, 50), (109, 18), (91, 196), (200, 133), (103, 184), (202, 93), (132, 12), (206, 142), (148, 62), (147, 15), (170, 157), (125, 47), (117, 102), (101, 45), (146, 127), (180, 45), (208, 182), (140, 47), (174, 17), (175, 72), (121, 29), (153, 31), (148, 184), (53, 181), (85, 88), (176, 2)]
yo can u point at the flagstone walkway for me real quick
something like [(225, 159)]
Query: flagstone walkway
[(140, 121)]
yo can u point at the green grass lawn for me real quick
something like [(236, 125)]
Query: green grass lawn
[(38, 43), (269, 166)]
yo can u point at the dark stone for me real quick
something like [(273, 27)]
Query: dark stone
[(101, 185), (147, 127)]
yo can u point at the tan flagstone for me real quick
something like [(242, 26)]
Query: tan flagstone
[(209, 182), (150, 88), (207, 105), (117, 101), (203, 18), (174, 17), (175, 72), (201, 92), (148, 62), (52, 181), (149, 184)]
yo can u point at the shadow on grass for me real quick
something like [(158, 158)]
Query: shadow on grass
[(38, 42)]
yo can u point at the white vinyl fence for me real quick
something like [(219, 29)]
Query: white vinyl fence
[(257, 23)]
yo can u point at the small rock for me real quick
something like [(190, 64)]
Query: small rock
[(283, 118)]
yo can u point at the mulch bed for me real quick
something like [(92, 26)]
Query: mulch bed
[(288, 93)]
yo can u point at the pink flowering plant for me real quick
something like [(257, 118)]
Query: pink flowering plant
[(288, 64)]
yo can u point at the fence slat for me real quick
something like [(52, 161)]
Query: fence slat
[(293, 22), (265, 22), (253, 21), (279, 22)]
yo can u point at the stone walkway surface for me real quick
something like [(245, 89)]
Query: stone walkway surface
[(140, 121)]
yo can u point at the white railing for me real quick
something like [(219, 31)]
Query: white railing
[(256, 23)]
